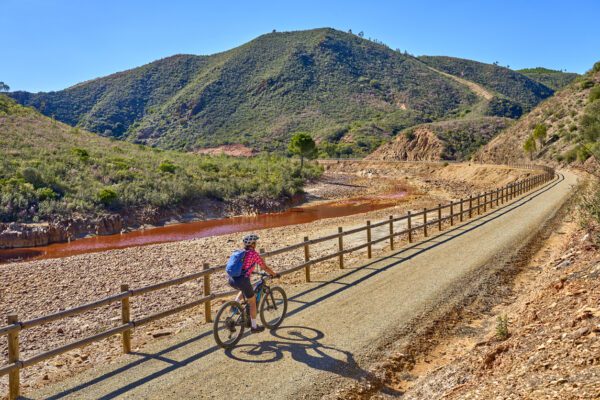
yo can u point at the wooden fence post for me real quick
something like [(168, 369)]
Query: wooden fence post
[(470, 206), (207, 310), (425, 222), (439, 217), (409, 228), (14, 386), (498, 197), (369, 250), (461, 210), (451, 213), (391, 232), (479, 204), (125, 319), (341, 246), (485, 201), (306, 259)]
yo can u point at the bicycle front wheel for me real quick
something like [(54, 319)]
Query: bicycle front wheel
[(273, 307), (229, 325)]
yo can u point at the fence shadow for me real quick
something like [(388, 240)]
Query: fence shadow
[(299, 351)]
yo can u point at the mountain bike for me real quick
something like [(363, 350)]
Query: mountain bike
[(233, 317)]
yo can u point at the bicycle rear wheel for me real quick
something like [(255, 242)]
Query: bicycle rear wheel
[(273, 307), (229, 325)]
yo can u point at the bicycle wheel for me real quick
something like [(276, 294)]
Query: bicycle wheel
[(273, 307), (229, 326)]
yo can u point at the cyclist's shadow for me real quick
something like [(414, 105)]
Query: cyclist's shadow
[(302, 343)]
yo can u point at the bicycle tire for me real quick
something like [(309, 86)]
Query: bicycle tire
[(218, 319), (266, 301)]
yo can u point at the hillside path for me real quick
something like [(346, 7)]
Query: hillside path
[(335, 329), (475, 87)]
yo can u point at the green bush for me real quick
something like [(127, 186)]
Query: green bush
[(46, 194), (81, 153), (570, 155), (594, 94), (107, 196), (167, 166), (502, 332)]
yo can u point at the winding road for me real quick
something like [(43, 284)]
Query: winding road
[(335, 329)]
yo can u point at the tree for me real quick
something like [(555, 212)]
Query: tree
[(302, 144), (539, 133), (361, 34), (4, 87), (529, 146)]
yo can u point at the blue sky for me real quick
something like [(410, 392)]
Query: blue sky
[(52, 44)]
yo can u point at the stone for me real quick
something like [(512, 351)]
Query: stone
[(157, 334)]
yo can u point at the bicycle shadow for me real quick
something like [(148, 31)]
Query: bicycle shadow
[(303, 345)]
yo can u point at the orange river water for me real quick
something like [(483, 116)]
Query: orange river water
[(199, 229)]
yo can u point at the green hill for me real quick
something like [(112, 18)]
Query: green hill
[(258, 94), (330, 83), (553, 79), (515, 93), (51, 171)]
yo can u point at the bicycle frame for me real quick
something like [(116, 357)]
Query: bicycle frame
[(259, 289)]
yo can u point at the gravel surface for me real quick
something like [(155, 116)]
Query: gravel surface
[(336, 327)]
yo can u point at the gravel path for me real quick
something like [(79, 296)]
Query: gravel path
[(336, 327)]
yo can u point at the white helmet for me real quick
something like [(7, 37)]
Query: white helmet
[(250, 239)]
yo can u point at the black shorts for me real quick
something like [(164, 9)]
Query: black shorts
[(242, 283)]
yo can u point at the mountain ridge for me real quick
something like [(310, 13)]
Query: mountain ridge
[(322, 81)]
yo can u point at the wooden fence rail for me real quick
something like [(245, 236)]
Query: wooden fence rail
[(466, 207)]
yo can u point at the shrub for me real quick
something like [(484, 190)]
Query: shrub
[(46, 194), (502, 332), (107, 196), (586, 84), (32, 176), (167, 167), (570, 156), (81, 153), (596, 67), (594, 94), (410, 135)]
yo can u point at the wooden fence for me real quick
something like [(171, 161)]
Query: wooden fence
[(455, 211)]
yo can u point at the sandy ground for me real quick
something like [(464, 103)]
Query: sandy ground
[(36, 288)]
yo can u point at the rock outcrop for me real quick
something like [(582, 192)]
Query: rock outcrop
[(418, 145), (16, 235)]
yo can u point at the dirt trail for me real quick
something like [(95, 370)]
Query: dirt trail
[(336, 328), (476, 88)]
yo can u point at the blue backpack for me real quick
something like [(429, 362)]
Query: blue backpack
[(235, 263)]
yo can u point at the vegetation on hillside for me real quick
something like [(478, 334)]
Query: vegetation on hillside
[(552, 78), (564, 128), (319, 81), (49, 170), (516, 93)]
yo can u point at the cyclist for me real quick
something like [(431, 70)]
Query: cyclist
[(242, 283)]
